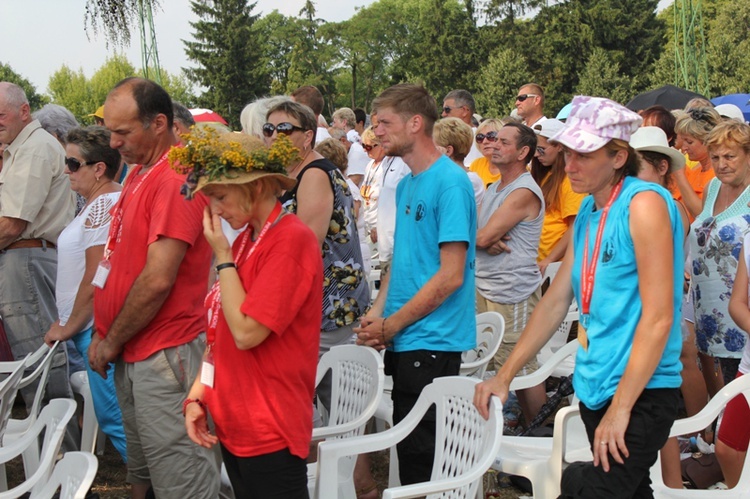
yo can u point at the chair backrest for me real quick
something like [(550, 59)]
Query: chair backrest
[(73, 476), (558, 340), (40, 375), (550, 272), (51, 422), (464, 441), (490, 331), (9, 390), (356, 387)]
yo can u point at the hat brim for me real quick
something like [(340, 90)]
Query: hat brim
[(243, 177), (579, 140), (676, 158)]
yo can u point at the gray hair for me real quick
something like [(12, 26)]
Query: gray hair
[(253, 116), (347, 115), (337, 133), (14, 94), (56, 120), (462, 98), (183, 114)]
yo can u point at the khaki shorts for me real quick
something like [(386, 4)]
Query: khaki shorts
[(516, 316), (159, 450)]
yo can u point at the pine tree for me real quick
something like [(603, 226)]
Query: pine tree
[(229, 55)]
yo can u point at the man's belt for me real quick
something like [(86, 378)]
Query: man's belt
[(30, 243)]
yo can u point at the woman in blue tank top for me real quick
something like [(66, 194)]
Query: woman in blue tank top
[(624, 268)]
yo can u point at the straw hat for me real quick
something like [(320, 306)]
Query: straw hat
[(653, 139)]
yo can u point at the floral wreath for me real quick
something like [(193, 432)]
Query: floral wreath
[(208, 154)]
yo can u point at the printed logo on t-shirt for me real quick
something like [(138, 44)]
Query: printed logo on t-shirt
[(609, 251), (421, 211)]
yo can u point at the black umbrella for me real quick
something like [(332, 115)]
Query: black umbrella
[(668, 96)]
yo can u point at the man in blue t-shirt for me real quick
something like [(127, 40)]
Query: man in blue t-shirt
[(424, 313)]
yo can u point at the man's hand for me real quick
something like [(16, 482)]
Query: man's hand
[(56, 333), (197, 426), (486, 389), (374, 234), (371, 333), (500, 246), (101, 353)]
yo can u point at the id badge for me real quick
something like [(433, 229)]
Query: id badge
[(583, 339), (102, 273), (207, 368)]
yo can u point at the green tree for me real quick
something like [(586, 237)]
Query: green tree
[(498, 82), (108, 75), (35, 100), (601, 77), (72, 90), (507, 11), (728, 46), (279, 33), (228, 54)]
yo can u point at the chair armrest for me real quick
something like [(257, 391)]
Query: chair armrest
[(544, 371), (739, 386)]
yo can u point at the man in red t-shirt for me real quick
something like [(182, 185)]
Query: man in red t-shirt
[(148, 308)]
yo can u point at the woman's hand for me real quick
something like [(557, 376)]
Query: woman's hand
[(197, 426), (609, 437), (214, 234), (485, 390)]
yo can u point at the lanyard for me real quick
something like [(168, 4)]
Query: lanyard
[(213, 300), (589, 269), (366, 189), (115, 232)]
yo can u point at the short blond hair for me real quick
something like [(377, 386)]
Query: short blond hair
[(369, 134), (454, 132), (335, 152), (729, 133), (697, 122), (347, 115)]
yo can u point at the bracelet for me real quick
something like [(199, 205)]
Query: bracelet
[(187, 402), (227, 265)]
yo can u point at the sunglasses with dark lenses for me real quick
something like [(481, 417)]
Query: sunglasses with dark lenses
[(73, 164), (703, 232), (489, 137), (523, 97), (369, 147), (285, 128)]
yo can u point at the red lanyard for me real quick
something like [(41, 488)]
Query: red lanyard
[(213, 300), (588, 270), (115, 231)]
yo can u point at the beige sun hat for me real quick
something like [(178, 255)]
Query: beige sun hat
[(653, 139), (209, 158)]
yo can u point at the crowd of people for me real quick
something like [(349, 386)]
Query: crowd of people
[(108, 236)]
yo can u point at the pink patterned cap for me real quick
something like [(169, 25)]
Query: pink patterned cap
[(594, 121)]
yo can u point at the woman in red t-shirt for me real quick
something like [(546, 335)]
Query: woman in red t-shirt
[(258, 372)]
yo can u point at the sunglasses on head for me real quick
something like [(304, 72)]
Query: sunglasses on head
[(285, 128), (369, 147), (523, 97), (73, 164), (489, 137)]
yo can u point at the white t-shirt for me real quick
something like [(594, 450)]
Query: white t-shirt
[(358, 160), (90, 228), (370, 191), (474, 152), (366, 253), (394, 169), (478, 185), (321, 135)]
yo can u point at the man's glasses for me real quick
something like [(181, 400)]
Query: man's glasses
[(523, 97), (489, 137), (369, 147), (73, 164), (285, 128), (541, 150), (703, 232)]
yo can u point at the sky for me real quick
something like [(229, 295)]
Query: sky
[(39, 36)]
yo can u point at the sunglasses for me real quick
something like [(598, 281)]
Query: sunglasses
[(447, 110), (523, 97), (285, 128), (489, 136), (369, 147), (703, 232), (541, 150), (73, 164)]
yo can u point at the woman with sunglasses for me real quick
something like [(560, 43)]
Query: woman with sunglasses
[(370, 188), (624, 267), (561, 203), (715, 241), (486, 137), (91, 166), (692, 129), (452, 137)]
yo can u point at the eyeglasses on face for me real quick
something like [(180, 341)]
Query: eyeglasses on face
[(489, 137), (541, 150), (285, 128), (369, 147), (73, 164), (523, 97), (448, 109), (703, 232)]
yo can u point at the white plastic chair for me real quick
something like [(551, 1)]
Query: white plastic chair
[(490, 332), (93, 438), (356, 388), (738, 387), (9, 390), (464, 443), (52, 421), (73, 476), (542, 459)]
